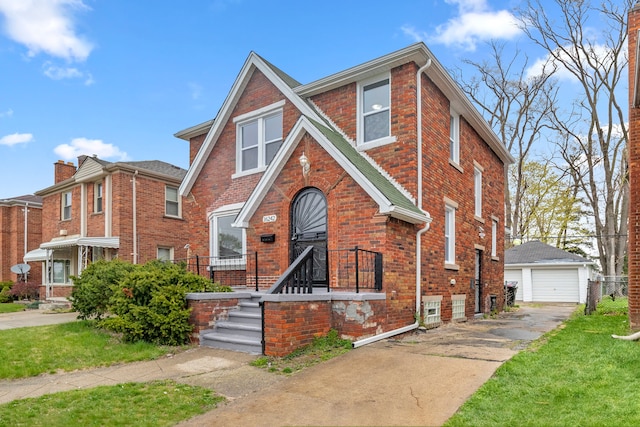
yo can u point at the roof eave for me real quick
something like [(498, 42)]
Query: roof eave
[(193, 131)]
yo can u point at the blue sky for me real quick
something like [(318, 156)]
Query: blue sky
[(118, 78)]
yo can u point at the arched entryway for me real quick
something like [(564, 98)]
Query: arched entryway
[(309, 228)]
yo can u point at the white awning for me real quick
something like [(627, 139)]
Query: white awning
[(100, 242), (35, 255)]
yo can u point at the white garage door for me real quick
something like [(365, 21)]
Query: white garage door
[(515, 276), (559, 285)]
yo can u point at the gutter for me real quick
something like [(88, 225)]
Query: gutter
[(420, 232)]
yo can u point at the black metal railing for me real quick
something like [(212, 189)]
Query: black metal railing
[(298, 279), (356, 269), (236, 270)]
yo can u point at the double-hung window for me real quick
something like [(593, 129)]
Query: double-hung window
[(172, 201), (97, 197), (259, 138), (66, 205), (454, 137), (227, 242), (374, 109), (450, 233), (61, 271), (477, 190), (494, 237)]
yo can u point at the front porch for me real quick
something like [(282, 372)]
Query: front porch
[(293, 310)]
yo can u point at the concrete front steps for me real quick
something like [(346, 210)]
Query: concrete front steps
[(241, 332), (55, 303)]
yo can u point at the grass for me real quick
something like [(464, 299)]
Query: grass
[(574, 375), (158, 403), (322, 348), (11, 307), (32, 351)]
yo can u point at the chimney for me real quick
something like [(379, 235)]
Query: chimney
[(81, 159), (63, 171)]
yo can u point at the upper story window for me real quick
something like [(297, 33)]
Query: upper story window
[(97, 197), (172, 201), (259, 136), (494, 237), (454, 137), (477, 190), (450, 233), (374, 110), (66, 206)]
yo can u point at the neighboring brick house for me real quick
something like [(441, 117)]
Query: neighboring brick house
[(20, 232), (634, 167), (388, 156), (100, 209)]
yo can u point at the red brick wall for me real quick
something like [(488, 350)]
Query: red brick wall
[(12, 248), (205, 313), (634, 176), (294, 324)]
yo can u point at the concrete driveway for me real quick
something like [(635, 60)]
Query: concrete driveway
[(27, 318), (420, 379)]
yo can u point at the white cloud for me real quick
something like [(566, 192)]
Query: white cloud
[(46, 26), (16, 138), (89, 147), (7, 113), (58, 73), (475, 22)]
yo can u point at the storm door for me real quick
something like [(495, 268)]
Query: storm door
[(309, 228), (478, 282)]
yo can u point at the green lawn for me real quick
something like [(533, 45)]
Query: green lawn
[(158, 403), (11, 307), (576, 375), (32, 351)]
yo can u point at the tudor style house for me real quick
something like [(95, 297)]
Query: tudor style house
[(104, 210), (20, 232), (388, 157)]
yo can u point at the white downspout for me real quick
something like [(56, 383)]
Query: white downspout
[(419, 234), (26, 226)]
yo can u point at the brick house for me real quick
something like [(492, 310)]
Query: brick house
[(104, 210), (389, 157), (634, 168), (20, 232)]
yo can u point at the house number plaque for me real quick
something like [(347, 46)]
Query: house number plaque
[(269, 218)]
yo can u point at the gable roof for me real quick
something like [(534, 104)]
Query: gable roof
[(93, 168), (536, 252), (32, 200), (391, 201)]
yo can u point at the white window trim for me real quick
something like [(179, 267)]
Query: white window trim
[(169, 248), (243, 119), (477, 190), (223, 211), (361, 145), (179, 202), (450, 246), (63, 205), (494, 237), (96, 186), (454, 138)]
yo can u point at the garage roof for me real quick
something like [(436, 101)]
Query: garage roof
[(536, 252)]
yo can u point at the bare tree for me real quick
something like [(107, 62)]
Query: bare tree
[(518, 108), (592, 135)]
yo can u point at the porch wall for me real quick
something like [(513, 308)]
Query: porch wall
[(57, 291), (209, 307)]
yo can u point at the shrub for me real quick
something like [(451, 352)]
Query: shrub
[(5, 292), (25, 290), (93, 288), (150, 304)]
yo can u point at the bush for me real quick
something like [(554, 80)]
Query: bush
[(5, 292), (150, 304), (93, 289), (25, 290)]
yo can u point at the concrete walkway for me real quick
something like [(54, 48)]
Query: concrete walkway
[(420, 379)]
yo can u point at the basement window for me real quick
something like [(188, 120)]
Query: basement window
[(458, 303), (432, 306)]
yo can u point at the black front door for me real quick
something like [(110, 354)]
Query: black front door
[(478, 282), (309, 228)]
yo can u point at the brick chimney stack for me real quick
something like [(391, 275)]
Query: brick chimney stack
[(63, 171)]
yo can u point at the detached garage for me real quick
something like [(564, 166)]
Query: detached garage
[(544, 273)]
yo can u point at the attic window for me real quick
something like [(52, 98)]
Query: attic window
[(259, 137), (374, 108)]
